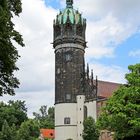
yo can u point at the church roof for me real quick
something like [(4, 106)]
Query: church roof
[(106, 89), (48, 133)]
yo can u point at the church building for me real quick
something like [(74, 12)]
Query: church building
[(75, 89)]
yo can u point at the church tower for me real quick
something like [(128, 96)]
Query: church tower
[(69, 45), (73, 87)]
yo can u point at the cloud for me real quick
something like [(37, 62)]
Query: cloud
[(37, 58), (109, 23), (135, 53), (36, 63), (110, 73), (104, 35)]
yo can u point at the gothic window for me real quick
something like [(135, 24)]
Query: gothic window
[(85, 112), (79, 30), (68, 29), (67, 120)]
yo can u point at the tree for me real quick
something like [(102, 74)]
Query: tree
[(14, 112), (51, 113), (90, 131), (8, 52), (122, 112), (29, 130), (8, 133), (45, 117)]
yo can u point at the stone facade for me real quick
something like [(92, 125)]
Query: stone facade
[(68, 68)]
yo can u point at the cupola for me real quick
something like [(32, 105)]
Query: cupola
[(69, 23)]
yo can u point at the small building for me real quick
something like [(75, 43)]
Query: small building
[(47, 134)]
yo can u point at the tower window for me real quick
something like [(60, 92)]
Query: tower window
[(58, 71), (79, 31), (67, 120), (68, 57), (85, 112), (68, 96)]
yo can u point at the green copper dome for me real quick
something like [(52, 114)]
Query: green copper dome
[(69, 15)]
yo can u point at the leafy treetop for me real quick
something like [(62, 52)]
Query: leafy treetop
[(45, 117), (14, 112), (8, 52), (122, 112), (90, 130)]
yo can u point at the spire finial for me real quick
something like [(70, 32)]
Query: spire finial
[(69, 3)]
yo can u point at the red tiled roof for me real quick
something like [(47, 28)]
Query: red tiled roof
[(48, 133), (106, 89)]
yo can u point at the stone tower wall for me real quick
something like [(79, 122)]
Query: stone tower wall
[(69, 63)]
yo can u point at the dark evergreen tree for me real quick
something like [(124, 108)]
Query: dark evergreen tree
[(29, 130), (8, 51), (90, 131), (7, 132), (45, 117)]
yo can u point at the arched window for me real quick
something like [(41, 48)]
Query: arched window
[(67, 120), (79, 30), (85, 112), (68, 29)]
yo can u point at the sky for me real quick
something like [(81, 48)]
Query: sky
[(113, 36)]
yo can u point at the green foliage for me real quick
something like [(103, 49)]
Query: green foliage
[(90, 131), (8, 52), (14, 124), (14, 112), (45, 118), (51, 113), (122, 112), (29, 130), (133, 78), (8, 133)]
